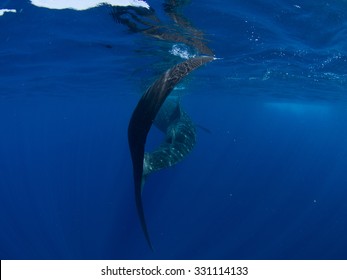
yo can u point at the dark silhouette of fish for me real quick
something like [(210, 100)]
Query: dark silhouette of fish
[(180, 132)]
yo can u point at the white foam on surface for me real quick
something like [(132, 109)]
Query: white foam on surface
[(181, 50), (3, 11), (81, 5)]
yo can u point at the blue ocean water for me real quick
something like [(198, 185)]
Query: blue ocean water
[(268, 182)]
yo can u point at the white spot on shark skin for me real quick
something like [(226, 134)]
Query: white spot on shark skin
[(81, 5), (3, 11)]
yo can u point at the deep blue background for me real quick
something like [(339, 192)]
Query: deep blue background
[(269, 182)]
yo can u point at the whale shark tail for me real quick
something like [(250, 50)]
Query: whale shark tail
[(143, 117)]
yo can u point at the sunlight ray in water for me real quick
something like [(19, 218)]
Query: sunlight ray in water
[(300, 109)]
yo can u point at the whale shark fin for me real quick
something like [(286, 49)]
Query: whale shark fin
[(204, 128), (143, 117)]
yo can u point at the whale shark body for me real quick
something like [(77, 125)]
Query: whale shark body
[(180, 137), (169, 118)]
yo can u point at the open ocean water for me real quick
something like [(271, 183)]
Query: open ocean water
[(268, 181)]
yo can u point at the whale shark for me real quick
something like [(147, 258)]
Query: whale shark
[(180, 137), (169, 118)]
